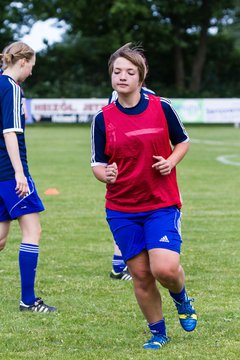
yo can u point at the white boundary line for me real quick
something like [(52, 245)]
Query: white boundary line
[(226, 159)]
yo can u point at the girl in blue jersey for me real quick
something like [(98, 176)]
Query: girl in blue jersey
[(137, 141), (18, 196)]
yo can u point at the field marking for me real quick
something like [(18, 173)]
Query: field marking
[(226, 159), (213, 142)]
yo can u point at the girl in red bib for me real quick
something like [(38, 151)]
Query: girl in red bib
[(137, 141)]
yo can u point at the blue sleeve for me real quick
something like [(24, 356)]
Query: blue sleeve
[(145, 90), (11, 109), (98, 140), (177, 132)]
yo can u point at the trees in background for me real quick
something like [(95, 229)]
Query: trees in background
[(192, 46)]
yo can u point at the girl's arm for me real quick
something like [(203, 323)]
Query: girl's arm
[(107, 174), (14, 155), (165, 166)]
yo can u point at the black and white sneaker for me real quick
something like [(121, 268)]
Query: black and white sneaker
[(123, 275), (38, 306)]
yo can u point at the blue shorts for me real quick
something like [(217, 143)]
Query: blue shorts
[(157, 229), (12, 206)]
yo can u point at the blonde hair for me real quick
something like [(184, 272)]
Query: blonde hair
[(14, 52), (134, 54)]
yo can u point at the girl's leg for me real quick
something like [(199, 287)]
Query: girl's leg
[(149, 300), (119, 268), (31, 228), (166, 268), (116, 249), (28, 255), (146, 291), (4, 230)]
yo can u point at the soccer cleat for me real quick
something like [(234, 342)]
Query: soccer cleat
[(38, 306), (156, 342), (123, 275), (187, 314)]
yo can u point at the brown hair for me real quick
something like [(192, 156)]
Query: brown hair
[(134, 54), (14, 52)]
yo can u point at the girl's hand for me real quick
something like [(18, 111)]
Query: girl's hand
[(21, 185), (164, 166), (111, 172)]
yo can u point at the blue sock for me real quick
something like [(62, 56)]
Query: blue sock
[(28, 258), (118, 263), (178, 297), (158, 328)]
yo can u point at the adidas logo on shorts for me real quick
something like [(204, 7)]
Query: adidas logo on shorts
[(164, 239)]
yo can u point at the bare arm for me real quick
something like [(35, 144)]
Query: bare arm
[(13, 152), (165, 166), (107, 174)]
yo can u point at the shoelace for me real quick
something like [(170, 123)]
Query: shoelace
[(40, 306), (186, 305), (160, 339), (38, 302)]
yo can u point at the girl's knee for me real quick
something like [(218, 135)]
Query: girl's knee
[(166, 274), (143, 281)]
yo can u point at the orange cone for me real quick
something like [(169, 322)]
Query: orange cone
[(51, 191)]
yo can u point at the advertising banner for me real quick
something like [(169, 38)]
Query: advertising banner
[(82, 110), (222, 111), (65, 110), (189, 110)]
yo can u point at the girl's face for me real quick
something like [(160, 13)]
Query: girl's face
[(125, 76), (26, 68)]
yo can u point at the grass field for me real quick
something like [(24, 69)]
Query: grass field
[(98, 318)]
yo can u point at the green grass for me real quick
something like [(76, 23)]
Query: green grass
[(99, 318)]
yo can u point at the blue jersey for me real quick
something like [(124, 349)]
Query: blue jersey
[(177, 132), (12, 119)]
